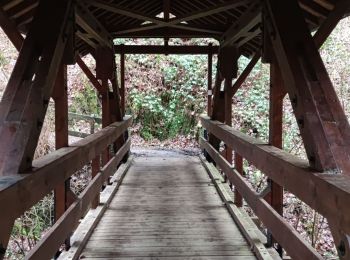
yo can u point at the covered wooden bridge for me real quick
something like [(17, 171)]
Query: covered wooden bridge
[(173, 207)]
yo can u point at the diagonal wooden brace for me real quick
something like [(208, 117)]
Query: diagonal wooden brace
[(321, 119), (26, 97)]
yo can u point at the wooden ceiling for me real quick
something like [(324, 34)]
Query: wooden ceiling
[(229, 21)]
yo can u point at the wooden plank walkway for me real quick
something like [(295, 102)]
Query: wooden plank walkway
[(167, 208)]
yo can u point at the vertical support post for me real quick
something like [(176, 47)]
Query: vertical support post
[(63, 196), (104, 71), (95, 168), (228, 113), (122, 80), (210, 81), (61, 135), (106, 114), (166, 13), (277, 93), (239, 168), (226, 70)]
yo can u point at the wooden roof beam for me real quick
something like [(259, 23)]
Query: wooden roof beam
[(11, 4), (114, 8), (86, 20), (195, 15), (10, 30), (158, 23), (181, 27), (326, 28), (163, 32), (162, 49), (86, 38), (246, 22), (313, 8), (319, 38), (211, 11), (22, 8), (247, 37), (166, 13)]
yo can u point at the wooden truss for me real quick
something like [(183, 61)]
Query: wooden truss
[(296, 69), (177, 22), (33, 82), (26, 97)]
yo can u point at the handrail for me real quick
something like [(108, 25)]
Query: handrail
[(326, 192), (85, 117), (90, 119), (56, 236), (28, 188), (271, 219)]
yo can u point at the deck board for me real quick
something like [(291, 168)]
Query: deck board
[(167, 208)]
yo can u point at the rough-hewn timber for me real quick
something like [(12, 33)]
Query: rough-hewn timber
[(167, 206)]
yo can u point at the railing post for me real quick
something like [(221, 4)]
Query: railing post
[(122, 80), (222, 101), (95, 169), (104, 73), (106, 113), (61, 135), (239, 168), (277, 93), (210, 80), (228, 113)]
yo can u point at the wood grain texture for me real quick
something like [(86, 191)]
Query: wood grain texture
[(167, 207)]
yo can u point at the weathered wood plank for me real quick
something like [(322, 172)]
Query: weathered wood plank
[(156, 215), (250, 230), (85, 229)]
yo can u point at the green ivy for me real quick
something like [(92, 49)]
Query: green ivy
[(173, 108), (86, 101)]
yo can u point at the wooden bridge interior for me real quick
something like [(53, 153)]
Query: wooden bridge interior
[(178, 207)]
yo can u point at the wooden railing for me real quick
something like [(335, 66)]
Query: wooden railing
[(89, 119), (326, 192), (26, 189)]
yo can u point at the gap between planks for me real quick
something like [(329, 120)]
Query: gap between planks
[(249, 230), (92, 218)]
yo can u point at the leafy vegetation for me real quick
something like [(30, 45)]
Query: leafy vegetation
[(28, 229), (84, 100), (171, 108)]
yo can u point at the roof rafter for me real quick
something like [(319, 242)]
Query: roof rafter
[(244, 24), (211, 10), (163, 49), (163, 32), (183, 27), (10, 29), (86, 20), (174, 23)]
